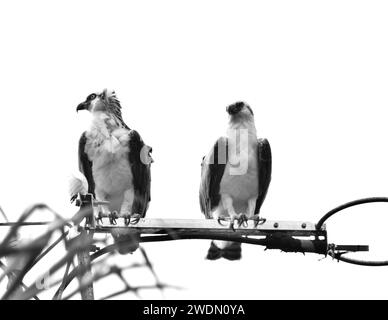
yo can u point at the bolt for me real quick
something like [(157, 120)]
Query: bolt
[(303, 225), (276, 224)]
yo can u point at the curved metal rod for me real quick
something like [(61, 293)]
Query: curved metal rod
[(366, 263), (339, 255), (348, 205)]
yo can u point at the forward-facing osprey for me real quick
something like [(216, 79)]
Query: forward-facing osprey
[(235, 177), (115, 161)]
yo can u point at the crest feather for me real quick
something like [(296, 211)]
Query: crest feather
[(113, 104)]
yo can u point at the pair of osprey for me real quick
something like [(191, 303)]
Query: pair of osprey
[(116, 164)]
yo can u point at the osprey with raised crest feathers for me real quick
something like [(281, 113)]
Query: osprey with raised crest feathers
[(115, 162)]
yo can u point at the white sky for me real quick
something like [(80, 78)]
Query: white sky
[(314, 72)]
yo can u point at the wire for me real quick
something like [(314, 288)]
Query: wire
[(339, 255), (348, 205)]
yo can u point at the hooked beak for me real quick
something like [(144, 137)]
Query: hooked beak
[(83, 106)]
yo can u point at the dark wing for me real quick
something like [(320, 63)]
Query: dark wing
[(213, 167), (140, 162), (85, 165), (265, 169)]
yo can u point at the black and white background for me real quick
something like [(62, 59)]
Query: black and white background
[(314, 72)]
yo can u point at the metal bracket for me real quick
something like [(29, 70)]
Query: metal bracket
[(288, 236)]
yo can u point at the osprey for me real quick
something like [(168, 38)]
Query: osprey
[(235, 177), (115, 162)]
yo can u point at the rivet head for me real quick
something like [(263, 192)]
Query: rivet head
[(276, 224), (303, 225)]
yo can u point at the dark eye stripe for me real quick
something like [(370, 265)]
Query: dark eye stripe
[(91, 97)]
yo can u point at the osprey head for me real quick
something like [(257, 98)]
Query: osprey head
[(105, 101), (239, 110)]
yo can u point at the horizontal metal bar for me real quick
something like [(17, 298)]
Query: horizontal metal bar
[(352, 248), (164, 226), (284, 242)]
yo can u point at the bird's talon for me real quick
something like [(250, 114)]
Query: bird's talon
[(99, 217), (232, 220), (258, 221), (112, 217), (219, 220), (134, 218), (231, 225), (243, 221)]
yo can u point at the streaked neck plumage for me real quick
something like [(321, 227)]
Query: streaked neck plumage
[(105, 122), (107, 137)]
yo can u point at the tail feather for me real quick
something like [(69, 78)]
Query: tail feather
[(230, 252), (127, 241)]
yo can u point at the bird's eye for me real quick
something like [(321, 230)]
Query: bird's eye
[(91, 97)]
